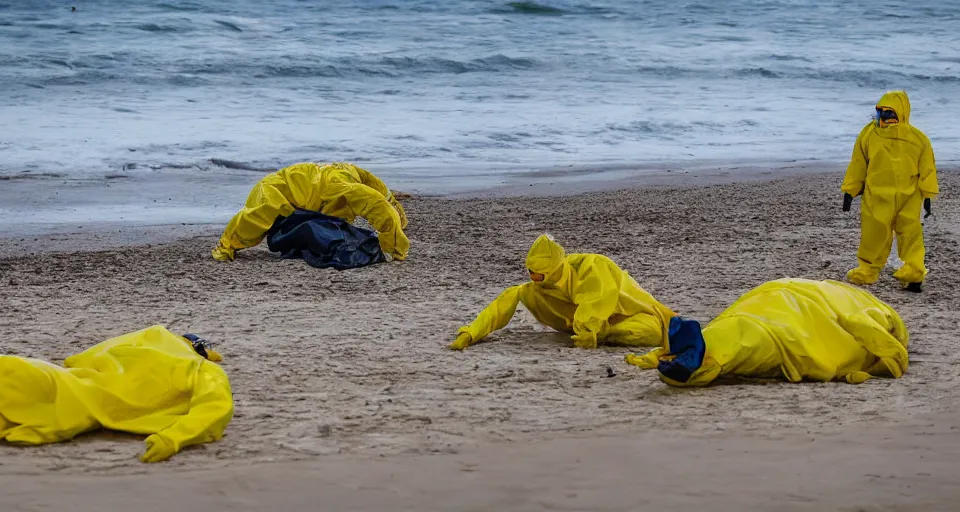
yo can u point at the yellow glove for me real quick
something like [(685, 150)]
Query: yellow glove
[(221, 253), (158, 449), (213, 355), (857, 377), (585, 340), (463, 341), (649, 360)]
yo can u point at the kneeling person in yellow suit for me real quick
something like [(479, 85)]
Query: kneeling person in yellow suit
[(339, 190), (149, 382), (586, 295), (796, 329), (894, 168)]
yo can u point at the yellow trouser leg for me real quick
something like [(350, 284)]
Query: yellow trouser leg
[(636, 331), (371, 205), (910, 241), (37, 405), (876, 238)]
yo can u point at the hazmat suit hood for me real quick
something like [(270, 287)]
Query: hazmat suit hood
[(547, 257), (899, 102)]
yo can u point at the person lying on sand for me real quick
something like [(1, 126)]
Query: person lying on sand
[(149, 382), (339, 189), (796, 329), (586, 295)]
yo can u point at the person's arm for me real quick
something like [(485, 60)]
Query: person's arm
[(877, 332), (373, 206), (856, 175), (596, 294), (929, 187), (371, 180), (211, 409), (250, 225), (493, 317)]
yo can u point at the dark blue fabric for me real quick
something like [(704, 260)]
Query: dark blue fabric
[(324, 241), (199, 344), (686, 343)]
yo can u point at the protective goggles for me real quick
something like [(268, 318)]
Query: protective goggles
[(199, 344), (886, 115)]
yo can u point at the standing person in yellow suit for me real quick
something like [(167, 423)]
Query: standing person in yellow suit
[(340, 190), (894, 168), (586, 295), (795, 329), (149, 382)]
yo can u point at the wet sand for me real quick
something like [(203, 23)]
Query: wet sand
[(119, 206), (346, 395)]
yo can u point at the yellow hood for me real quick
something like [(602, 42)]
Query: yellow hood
[(545, 255), (899, 102)]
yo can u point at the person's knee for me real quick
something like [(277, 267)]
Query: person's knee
[(909, 229)]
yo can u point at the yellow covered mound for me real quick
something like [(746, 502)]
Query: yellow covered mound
[(147, 382)]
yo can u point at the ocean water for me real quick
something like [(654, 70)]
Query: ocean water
[(460, 88)]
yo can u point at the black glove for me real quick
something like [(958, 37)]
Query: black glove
[(926, 206), (847, 201)]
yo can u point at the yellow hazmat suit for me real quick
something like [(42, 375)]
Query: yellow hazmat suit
[(587, 295), (339, 190), (894, 168), (147, 382), (796, 329)]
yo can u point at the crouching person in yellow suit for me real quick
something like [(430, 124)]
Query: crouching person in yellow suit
[(796, 329), (149, 382), (339, 190), (586, 295)]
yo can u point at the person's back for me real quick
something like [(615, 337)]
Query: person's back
[(633, 298)]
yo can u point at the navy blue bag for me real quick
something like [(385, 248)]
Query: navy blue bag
[(324, 241)]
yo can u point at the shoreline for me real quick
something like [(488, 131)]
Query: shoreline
[(121, 212)]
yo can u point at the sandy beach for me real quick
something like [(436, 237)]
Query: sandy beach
[(347, 398)]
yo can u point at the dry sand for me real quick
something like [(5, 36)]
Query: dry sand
[(347, 399)]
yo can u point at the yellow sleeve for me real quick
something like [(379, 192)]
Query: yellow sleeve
[(596, 294), (648, 361), (371, 180), (872, 328), (370, 204), (929, 187), (41, 402), (856, 176), (495, 316), (266, 202), (211, 409)]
